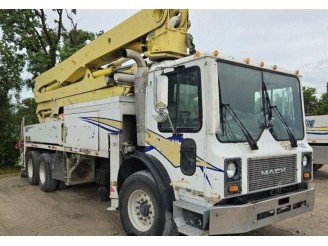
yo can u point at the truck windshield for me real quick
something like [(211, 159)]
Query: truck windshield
[(242, 88), (285, 96)]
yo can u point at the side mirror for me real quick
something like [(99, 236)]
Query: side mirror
[(161, 86), (161, 92)]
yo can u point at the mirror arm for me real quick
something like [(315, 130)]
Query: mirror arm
[(169, 118)]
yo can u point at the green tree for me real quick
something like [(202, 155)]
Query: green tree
[(74, 39), (11, 66), (27, 109), (323, 104), (29, 31), (44, 44), (32, 39), (310, 100)]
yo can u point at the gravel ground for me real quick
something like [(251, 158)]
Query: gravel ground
[(77, 211)]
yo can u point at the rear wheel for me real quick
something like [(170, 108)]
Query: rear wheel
[(141, 209), (32, 167), (61, 185), (103, 193), (47, 183), (23, 173), (317, 166)]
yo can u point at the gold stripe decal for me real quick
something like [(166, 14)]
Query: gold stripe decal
[(170, 149), (110, 125)]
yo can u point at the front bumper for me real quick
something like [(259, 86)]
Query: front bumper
[(248, 217)]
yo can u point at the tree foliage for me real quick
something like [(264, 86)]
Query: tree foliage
[(323, 105), (29, 31), (33, 40), (45, 41), (310, 100), (11, 65), (27, 109), (74, 39), (314, 105)]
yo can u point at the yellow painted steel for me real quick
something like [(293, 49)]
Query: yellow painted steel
[(52, 107), (103, 72), (323, 128), (170, 149), (108, 122), (76, 79)]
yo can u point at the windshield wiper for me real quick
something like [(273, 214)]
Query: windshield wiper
[(291, 136), (269, 125), (269, 106), (252, 143)]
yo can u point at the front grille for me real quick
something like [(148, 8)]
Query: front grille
[(271, 172)]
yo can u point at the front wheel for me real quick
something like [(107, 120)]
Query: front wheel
[(140, 206)]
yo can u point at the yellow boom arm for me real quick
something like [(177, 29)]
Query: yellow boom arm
[(158, 34)]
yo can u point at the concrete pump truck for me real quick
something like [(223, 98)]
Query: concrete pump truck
[(185, 142)]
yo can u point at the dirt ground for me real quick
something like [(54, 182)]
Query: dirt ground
[(77, 211)]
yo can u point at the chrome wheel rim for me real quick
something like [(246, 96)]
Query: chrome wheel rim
[(141, 210), (42, 173), (30, 168)]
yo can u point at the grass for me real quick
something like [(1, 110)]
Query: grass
[(10, 170)]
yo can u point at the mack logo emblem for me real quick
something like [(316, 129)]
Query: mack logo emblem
[(273, 171)]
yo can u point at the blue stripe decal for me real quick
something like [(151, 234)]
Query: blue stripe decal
[(205, 175), (208, 181), (213, 168), (149, 148), (317, 133), (176, 138), (180, 139), (105, 128)]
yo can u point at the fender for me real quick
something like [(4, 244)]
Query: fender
[(140, 161)]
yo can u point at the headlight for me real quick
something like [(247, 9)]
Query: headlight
[(306, 166), (231, 170), (305, 160), (232, 176)]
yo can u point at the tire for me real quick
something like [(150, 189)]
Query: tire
[(23, 174), (317, 166), (32, 167), (61, 185), (103, 194), (140, 207), (46, 183)]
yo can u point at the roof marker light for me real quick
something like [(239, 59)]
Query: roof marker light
[(261, 64), (297, 72), (274, 67), (247, 60), (215, 52), (197, 54)]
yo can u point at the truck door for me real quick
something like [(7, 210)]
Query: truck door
[(179, 141)]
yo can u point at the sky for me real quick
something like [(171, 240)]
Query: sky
[(292, 39), (276, 34)]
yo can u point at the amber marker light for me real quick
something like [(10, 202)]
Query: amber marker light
[(197, 54), (262, 64), (306, 175), (233, 188), (247, 60), (274, 67), (215, 52)]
